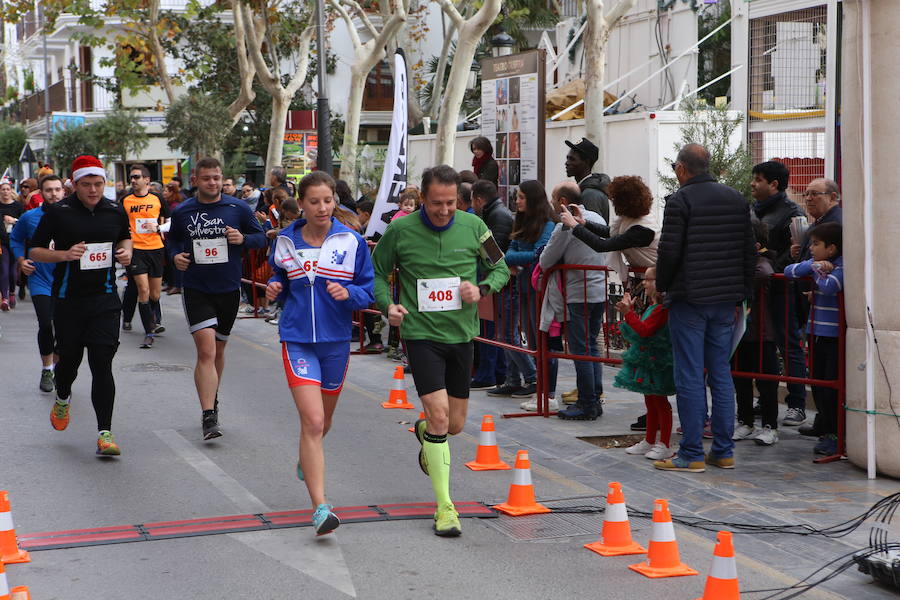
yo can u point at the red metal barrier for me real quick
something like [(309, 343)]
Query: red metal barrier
[(544, 354), (251, 259)]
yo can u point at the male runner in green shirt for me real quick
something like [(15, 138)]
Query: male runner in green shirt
[(437, 251)]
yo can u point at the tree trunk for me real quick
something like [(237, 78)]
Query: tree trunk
[(351, 128), (594, 77), (281, 102), (437, 84), (159, 55), (454, 94), (246, 70), (596, 36)]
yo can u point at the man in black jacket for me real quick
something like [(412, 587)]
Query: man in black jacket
[(579, 163), (492, 368), (775, 209), (705, 266)]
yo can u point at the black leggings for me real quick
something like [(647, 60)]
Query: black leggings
[(43, 308), (103, 386)]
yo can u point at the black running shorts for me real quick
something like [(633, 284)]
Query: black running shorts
[(87, 321), (437, 366), (149, 262), (211, 310)]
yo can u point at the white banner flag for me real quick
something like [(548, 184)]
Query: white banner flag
[(393, 179)]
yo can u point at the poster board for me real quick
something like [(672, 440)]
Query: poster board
[(512, 118), (299, 152)]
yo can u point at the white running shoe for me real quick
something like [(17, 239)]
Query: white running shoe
[(659, 451), (745, 432), (642, 447), (766, 436), (531, 405)]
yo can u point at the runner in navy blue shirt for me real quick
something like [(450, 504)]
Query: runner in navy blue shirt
[(207, 236)]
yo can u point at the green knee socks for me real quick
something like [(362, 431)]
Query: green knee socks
[(437, 453)]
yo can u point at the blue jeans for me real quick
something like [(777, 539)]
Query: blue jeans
[(491, 359), (582, 329), (701, 338), (795, 362), (518, 364)]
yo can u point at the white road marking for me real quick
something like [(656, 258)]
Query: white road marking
[(319, 558)]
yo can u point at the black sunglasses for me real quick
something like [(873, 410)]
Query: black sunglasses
[(133, 177)]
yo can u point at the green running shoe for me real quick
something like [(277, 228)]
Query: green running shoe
[(47, 380), (446, 521), (106, 445), (419, 430)]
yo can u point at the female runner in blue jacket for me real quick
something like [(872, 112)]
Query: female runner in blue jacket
[(322, 272)]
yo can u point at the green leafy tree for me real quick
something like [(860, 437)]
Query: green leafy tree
[(67, 144), (194, 125), (715, 128), (12, 139), (120, 134)]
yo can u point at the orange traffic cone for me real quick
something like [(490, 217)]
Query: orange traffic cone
[(20, 592), (662, 559), (9, 548), (615, 537), (521, 492), (397, 399), (722, 581), (487, 457), (413, 428)]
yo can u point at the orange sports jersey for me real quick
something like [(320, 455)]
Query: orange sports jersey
[(142, 212)]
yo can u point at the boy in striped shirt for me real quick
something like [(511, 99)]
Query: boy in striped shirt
[(826, 267)]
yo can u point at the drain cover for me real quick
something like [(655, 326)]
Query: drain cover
[(622, 440), (153, 367)]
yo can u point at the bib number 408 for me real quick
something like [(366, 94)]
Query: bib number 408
[(441, 295)]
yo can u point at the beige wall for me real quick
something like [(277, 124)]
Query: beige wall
[(885, 47)]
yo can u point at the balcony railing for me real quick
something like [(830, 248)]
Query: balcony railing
[(32, 107)]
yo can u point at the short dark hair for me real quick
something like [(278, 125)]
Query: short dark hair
[(465, 193), (482, 143), (365, 206), (50, 177), (207, 162), (468, 176), (830, 234), (145, 172), (694, 158), (250, 183), (224, 179), (772, 170), (568, 195), (484, 189), (444, 174), (312, 179), (291, 205), (279, 174)]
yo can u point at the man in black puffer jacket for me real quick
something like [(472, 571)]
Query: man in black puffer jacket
[(707, 257), (492, 368), (775, 209)]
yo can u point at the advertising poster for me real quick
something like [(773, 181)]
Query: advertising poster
[(512, 105)]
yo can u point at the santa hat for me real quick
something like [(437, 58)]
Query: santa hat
[(87, 165)]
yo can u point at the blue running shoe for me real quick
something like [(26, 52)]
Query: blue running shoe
[(324, 520)]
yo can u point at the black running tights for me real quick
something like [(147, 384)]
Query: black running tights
[(103, 386), (43, 308)]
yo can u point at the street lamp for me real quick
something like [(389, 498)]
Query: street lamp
[(472, 81), (502, 44)]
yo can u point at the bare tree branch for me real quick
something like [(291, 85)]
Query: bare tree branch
[(354, 36), (450, 11)]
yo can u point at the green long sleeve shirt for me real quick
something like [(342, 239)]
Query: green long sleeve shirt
[(421, 253)]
